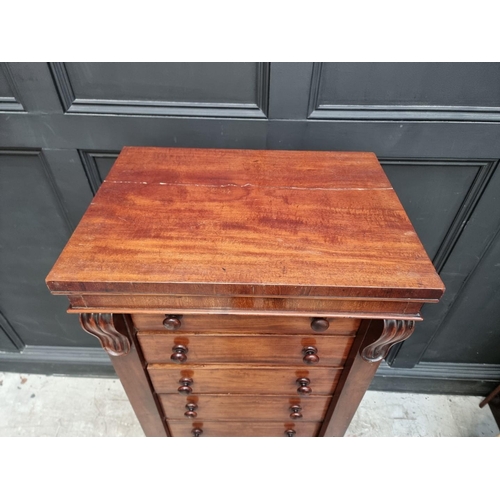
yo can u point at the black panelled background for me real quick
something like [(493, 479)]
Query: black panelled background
[(434, 126)]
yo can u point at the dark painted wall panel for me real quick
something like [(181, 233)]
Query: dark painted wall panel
[(173, 82), (410, 84), (386, 139), (471, 332), (478, 234), (5, 89), (104, 165), (34, 231), (431, 195)]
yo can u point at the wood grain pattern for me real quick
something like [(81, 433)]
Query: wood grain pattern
[(394, 331), (215, 167), (230, 323), (286, 305), (102, 327), (275, 349), (269, 219), (248, 407), (182, 428), (131, 370), (243, 250), (243, 379), (354, 382)]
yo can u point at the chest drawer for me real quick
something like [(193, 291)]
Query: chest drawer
[(243, 379), (230, 323), (243, 429), (277, 349), (251, 407)]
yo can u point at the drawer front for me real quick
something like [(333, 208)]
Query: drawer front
[(231, 323), (276, 349), (243, 379), (181, 428), (251, 407)]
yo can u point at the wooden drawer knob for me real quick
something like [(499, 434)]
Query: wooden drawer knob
[(320, 324), (295, 409), (304, 388), (290, 433), (197, 432), (185, 386), (172, 322), (310, 355), (190, 413), (179, 354)]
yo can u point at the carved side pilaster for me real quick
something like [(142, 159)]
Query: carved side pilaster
[(394, 331), (102, 326)]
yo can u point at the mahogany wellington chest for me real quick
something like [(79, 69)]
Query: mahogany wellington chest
[(245, 293)]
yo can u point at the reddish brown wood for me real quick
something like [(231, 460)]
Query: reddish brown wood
[(354, 381), (248, 406), (265, 348), (131, 369), (247, 274), (180, 354), (320, 324), (254, 313), (185, 387), (243, 379), (296, 412), (190, 411), (303, 383), (489, 397), (172, 322), (230, 323), (216, 167), (249, 305), (310, 355), (211, 428), (102, 327), (394, 331), (290, 219)]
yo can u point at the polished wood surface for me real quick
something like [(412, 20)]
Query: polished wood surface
[(353, 383), (210, 428), (131, 369), (251, 407), (101, 326), (306, 307), (265, 348), (243, 379), (260, 288), (230, 323), (290, 219), (394, 331)]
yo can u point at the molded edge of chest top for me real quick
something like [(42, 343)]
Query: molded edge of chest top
[(245, 223)]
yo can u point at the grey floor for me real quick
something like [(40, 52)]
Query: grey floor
[(36, 405)]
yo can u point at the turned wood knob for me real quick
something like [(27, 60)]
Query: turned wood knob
[(310, 355), (320, 324), (179, 354), (172, 322), (290, 433), (304, 388), (296, 409), (190, 413), (197, 432), (185, 386)]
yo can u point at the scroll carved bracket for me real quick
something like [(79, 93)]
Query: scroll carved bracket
[(102, 326), (395, 331)]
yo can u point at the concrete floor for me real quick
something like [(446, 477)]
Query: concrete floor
[(36, 405)]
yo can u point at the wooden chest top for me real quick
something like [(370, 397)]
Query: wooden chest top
[(244, 222)]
